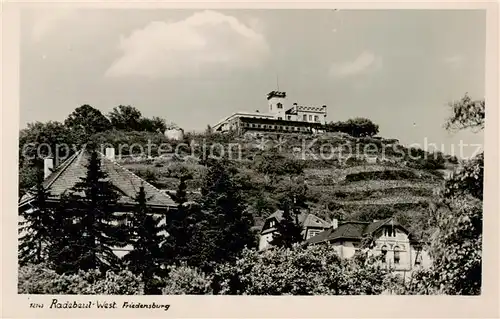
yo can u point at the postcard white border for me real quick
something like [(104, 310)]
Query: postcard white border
[(16, 306)]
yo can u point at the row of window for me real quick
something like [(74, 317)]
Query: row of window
[(276, 127)]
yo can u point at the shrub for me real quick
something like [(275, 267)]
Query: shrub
[(184, 280), (314, 270), (38, 279)]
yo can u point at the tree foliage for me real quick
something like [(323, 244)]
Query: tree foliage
[(357, 127), (314, 270), (228, 224), (125, 117), (37, 226), (288, 229), (145, 258), (91, 204), (86, 121), (456, 247), (466, 114), (40, 279)]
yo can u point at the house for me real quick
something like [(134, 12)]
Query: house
[(67, 174), (278, 119), (311, 226), (383, 237)]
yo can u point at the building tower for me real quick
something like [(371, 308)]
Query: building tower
[(276, 101)]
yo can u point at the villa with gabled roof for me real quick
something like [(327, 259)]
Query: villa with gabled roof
[(400, 250), (61, 179)]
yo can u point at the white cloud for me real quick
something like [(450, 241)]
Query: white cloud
[(454, 61), (366, 61), (205, 39), (46, 20)]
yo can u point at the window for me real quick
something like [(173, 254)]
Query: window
[(310, 117), (279, 105), (253, 125), (280, 118), (418, 258), (272, 223), (304, 117), (396, 255), (390, 231), (312, 232), (384, 253), (288, 117), (316, 118)]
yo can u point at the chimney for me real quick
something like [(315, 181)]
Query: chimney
[(48, 166), (335, 223), (110, 153)]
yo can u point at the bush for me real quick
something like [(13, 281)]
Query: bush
[(184, 280), (38, 279), (315, 270)]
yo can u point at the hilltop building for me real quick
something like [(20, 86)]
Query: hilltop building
[(279, 118)]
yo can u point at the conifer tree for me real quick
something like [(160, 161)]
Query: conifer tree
[(228, 224), (145, 258), (66, 250), (182, 225), (92, 202), (37, 224), (288, 230)]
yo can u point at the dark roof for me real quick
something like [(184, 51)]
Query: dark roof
[(66, 175), (352, 230), (306, 220)]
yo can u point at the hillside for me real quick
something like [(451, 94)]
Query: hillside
[(392, 181)]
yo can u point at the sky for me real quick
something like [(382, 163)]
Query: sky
[(398, 68)]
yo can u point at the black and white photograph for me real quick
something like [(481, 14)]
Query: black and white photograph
[(251, 152)]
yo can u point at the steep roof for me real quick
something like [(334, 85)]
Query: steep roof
[(66, 175), (305, 219), (352, 230)]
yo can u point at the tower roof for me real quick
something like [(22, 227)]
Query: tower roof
[(276, 94)]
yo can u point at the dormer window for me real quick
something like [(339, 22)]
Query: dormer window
[(279, 106)]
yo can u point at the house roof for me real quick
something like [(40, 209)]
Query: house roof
[(352, 230), (305, 219), (66, 175)]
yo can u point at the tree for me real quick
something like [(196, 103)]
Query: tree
[(185, 225), (357, 127), (467, 179), (146, 257), (125, 117), (37, 225), (92, 203), (288, 232), (312, 270), (466, 114), (361, 127), (40, 140), (456, 247), (85, 121), (228, 224), (158, 124)]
